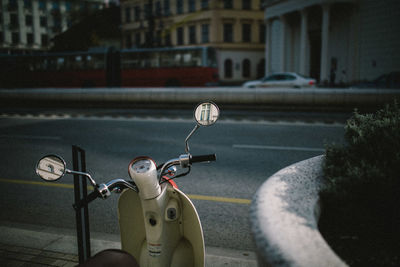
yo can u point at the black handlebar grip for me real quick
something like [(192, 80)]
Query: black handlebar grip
[(203, 158)]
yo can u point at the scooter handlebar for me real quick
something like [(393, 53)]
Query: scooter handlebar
[(203, 158)]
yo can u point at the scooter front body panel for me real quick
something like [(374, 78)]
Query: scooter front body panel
[(164, 231)]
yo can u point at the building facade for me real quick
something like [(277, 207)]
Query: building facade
[(29, 25), (334, 41), (234, 27)]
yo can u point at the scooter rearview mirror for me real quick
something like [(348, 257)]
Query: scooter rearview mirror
[(205, 114), (51, 168)]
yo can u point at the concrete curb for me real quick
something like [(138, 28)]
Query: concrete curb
[(314, 98), (284, 218), (36, 245)]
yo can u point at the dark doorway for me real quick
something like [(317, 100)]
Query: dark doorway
[(315, 54), (228, 68), (315, 38), (261, 69)]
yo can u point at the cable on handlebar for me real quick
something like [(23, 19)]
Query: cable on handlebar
[(179, 175)]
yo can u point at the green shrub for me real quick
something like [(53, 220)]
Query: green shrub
[(369, 162), (361, 202)]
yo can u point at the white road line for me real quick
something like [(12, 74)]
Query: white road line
[(35, 137), (287, 148), (166, 119)]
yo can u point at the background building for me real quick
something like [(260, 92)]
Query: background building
[(234, 27), (334, 41), (30, 25)]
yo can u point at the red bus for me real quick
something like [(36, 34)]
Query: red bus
[(70, 69), (110, 68), (191, 66)]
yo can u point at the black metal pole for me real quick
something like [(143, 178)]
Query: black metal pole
[(81, 213)]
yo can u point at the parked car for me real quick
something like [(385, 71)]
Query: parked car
[(389, 80), (283, 79)]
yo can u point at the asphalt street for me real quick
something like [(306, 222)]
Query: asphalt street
[(248, 152)]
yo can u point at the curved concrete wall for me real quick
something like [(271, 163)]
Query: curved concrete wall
[(284, 218)]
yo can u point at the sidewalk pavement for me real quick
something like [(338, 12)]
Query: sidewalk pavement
[(34, 246)]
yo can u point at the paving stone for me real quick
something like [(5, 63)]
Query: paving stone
[(11, 263)]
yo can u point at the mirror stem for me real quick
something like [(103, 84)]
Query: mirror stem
[(188, 137), (83, 174)]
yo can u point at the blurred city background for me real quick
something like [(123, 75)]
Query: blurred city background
[(120, 79), (96, 43)]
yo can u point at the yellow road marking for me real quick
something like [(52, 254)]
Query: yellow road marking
[(71, 186), (48, 184), (221, 199)]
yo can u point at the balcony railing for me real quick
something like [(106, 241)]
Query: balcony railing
[(266, 3)]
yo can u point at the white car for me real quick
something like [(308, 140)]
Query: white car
[(283, 79)]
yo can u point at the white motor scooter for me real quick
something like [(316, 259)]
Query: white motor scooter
[(159, 225)]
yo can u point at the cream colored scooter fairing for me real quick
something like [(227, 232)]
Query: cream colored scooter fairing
[(164, 231)]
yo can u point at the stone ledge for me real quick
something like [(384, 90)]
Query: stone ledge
[(284, 218), (315, 98)]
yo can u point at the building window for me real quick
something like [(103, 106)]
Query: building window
[(246, 4), (128, 41), (44, 39), (138, 39), (158, 40), (179, 36), (228, 68), (127, 14), (148, 39), (261, 68), (137, 13), (228, 32), (12, 5), (228, 4), (167, 39), (158, 10), (15, 38), (246, 33), (43, 21), (147, 11), (28, 4), (246, 68), (29, 38), (205, 4), (57, 23), (192, 34), (167, 10), (28, 20), (192, 5), (14, 20), (42, 5), (205, 33), (262, 33), (56, 5), (205, 112), (179, 6)]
